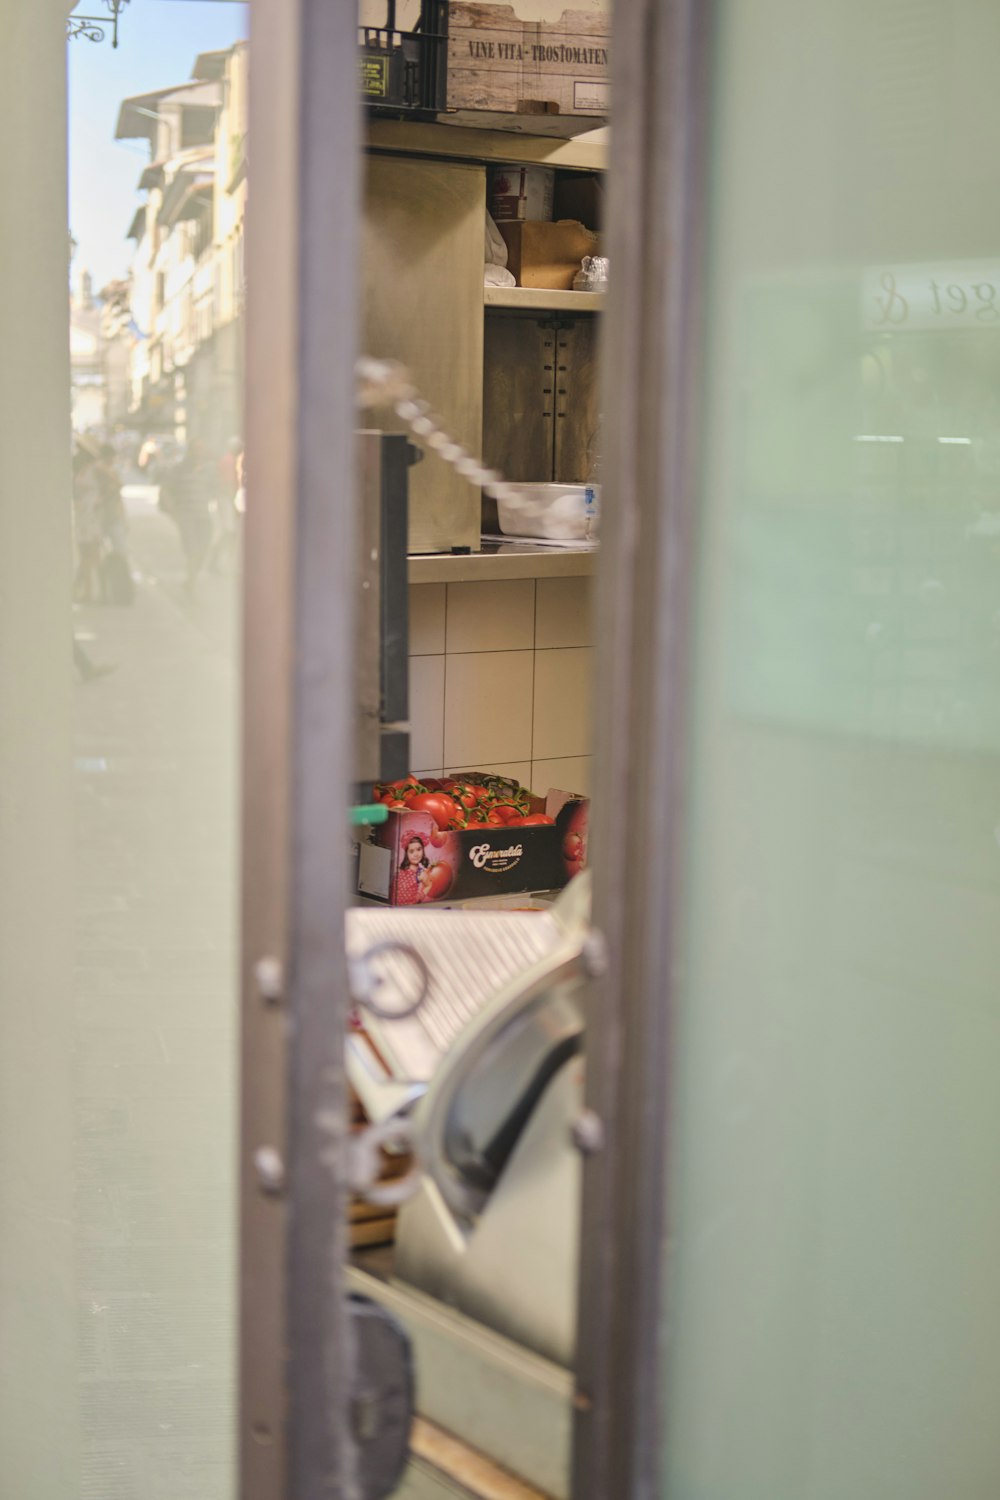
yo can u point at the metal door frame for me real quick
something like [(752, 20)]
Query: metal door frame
[(295, 1440), (298, 745), (651, 380)]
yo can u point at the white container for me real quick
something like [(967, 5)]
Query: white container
[(555, 512)]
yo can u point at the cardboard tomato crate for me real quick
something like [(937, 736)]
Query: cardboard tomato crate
[(473, 862)]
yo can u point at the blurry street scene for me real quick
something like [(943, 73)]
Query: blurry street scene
[(157, 506), (156, 808)]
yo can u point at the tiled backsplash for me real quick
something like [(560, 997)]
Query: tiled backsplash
[(500, 679)]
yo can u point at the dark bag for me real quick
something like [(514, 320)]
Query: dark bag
[(116, 579)]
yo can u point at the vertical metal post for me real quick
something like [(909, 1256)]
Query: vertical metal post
[(651, 376), (303, 220)]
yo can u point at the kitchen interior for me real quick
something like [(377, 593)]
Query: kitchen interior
[(484, 281)]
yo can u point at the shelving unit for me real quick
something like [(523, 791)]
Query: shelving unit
[(583, 153), (541, 299), (533, 414)]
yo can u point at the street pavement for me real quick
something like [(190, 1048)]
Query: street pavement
[(156, 794)]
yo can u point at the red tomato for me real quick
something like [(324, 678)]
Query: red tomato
[(395, 805), (495, 820), (507, 812), (439, 837), (436, 881), (538, 818), (441, 807)]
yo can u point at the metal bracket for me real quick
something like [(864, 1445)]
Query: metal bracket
[(94, 28)]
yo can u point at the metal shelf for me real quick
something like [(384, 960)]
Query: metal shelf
[(541, 299), (512, 560), (583, 153)]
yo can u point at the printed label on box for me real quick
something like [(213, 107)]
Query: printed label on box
[(496, 861), (588, 93)]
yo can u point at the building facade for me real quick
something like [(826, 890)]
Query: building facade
[(187, 286)]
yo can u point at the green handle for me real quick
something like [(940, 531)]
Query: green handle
[(369, 812)]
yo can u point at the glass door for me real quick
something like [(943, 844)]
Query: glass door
[(824, 1267), (122, 376)]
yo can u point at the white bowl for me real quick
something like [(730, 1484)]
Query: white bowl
[(557, 512)]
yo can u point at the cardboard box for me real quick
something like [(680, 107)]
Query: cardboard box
[(542, 69), (474, 862), (547, 255)]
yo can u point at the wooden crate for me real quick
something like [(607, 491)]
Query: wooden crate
[(553, 74)]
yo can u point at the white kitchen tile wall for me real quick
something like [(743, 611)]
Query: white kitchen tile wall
[(487, 710), (427, 710), (562, 612), (500, 679), (561, 719), (515, 770), (568, 774), (491, 616), (427, 604)]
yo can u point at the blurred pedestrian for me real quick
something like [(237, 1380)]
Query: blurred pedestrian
[(189, 487), (226, 513), (87, 519), (117, 586)]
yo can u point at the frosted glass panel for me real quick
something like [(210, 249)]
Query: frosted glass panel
[(835, 1197), (157, 201)]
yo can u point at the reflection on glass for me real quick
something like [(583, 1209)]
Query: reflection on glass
[(158, 196), (835, 1200)]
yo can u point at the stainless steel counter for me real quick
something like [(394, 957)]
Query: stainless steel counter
[(517, 560)]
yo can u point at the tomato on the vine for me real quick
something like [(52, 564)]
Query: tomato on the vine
[(506, 811), (441, 807), (536, 818)]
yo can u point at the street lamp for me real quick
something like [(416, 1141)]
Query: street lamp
[(94, 28)]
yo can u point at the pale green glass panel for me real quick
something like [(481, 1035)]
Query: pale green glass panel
[(835, 1200), (157, 192)]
